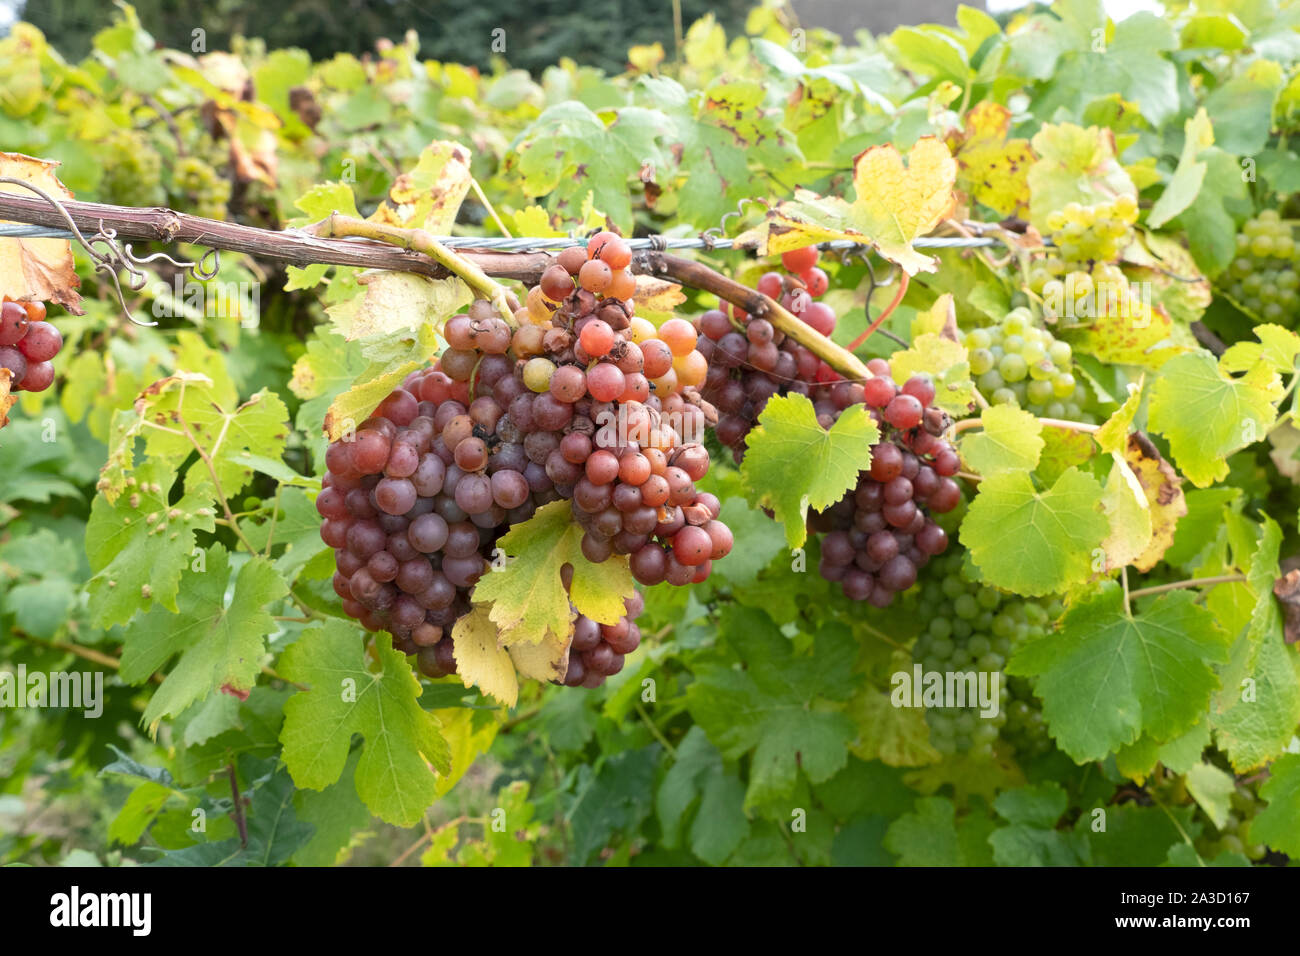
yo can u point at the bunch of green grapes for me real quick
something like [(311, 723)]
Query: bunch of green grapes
[(969, 627), (1096, 233), (132, 171), (199, 188), (1018, 363), (1234, 835), (1263, 276)]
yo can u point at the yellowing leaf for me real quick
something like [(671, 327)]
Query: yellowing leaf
[(1113, 434), (527, 598), (398, 302), (993, 169), (480, 662), (1126, 509), (895, 205), (429, 196), (36, 270), (546, 660), (1163, 489), (1075, 165)]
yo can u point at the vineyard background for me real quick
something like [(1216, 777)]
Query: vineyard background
[(768, 738)]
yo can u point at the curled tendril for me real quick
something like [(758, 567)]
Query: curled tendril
[(719, 231), (109, 261)]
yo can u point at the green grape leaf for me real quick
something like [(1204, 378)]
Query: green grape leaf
[(403, 747), (1278, 824), (612, 800), (139, 545), (1277, 347), (1207, 416), (1032, 838), (697, 780), (1112, 436), (1187, 178), (1109, 677), (274, 831), (1242, 107), (184, 412), (767, 708), (1031, 542), (338, 816), (1011, 440), (927, 836), (527, 595), (1255, 720), (793, 463), (392, 358), (1211, 788), (569, 152), (218, 646)]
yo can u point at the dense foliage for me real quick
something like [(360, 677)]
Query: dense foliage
[(1118, 403)]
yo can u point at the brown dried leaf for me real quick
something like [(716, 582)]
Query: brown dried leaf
[(37, 269), (1287, 591)]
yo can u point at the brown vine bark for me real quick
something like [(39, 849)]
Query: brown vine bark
[(302, 248)]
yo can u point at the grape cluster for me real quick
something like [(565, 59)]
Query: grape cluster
[(199, 188), (969, 628), (606, 407), (414, 504), (598, 650), (1096, 233), (880, 534), (1234, 836), (28, 345), (132, 170), (1017, 363), (1263, 276), (749, 360), (581, 401)]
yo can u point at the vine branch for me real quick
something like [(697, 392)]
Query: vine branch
[(342, 240)]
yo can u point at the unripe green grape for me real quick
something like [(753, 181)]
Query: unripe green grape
[(990, 381), (1054, 410), (1013, 368), (978, 339), (965, 606), (1261, 247), (1004, 396), (981, 361), (1039, 392), (1063, 385), (1060, 353), (1016, 322), (1032, 352)]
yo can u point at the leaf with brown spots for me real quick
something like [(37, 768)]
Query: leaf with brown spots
[(430, 195), (991, 168), (1163, 487)]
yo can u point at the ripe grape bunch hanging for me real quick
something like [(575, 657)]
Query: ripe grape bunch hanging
[(581, 400), (749, 360), (28, 345)]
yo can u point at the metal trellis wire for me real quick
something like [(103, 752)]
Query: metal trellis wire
[(536, 243)]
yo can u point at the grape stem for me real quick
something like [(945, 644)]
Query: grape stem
[(699, 276), (888, 311), (967, 423), (335, 226), (1189, 583)]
